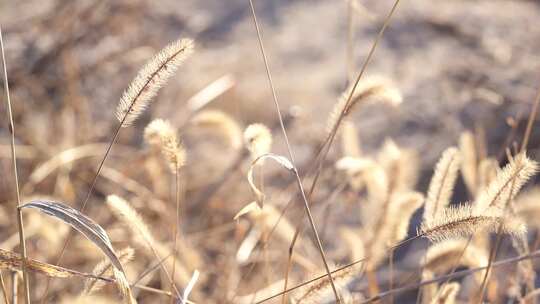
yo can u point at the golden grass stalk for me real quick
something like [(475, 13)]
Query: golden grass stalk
[(507, 184), (20, 223), (469, 161), (12, 261), (376, 89), (222, 122), (465, 220), (150, 79), (161, 134), (104, 267), (442, 184), (258, 139)]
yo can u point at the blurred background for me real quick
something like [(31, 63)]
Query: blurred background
[(460, 65)]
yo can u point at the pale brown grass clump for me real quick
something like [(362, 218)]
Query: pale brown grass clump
[(150, 79)]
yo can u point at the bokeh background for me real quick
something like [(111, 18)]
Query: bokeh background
[(460, 65)]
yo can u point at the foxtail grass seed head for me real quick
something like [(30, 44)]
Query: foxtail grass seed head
[(123, 211), (150, 79), (375, 89), (258, 139), (161, 134), (442, 183), (103, 268), (463, 221), (508, 183)]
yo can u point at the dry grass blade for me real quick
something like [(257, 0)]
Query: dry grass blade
[(12, 261), (281, 160), (190, 286), (210, 92), (92, 231), (85, 225), (150, 79), (20, 224), (251, 207)]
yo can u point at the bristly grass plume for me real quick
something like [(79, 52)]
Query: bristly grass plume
[(150, 79)]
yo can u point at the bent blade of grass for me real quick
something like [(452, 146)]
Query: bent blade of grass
[(91, 230), (281, 160)]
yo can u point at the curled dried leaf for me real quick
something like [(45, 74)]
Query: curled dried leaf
[(281, 160)]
